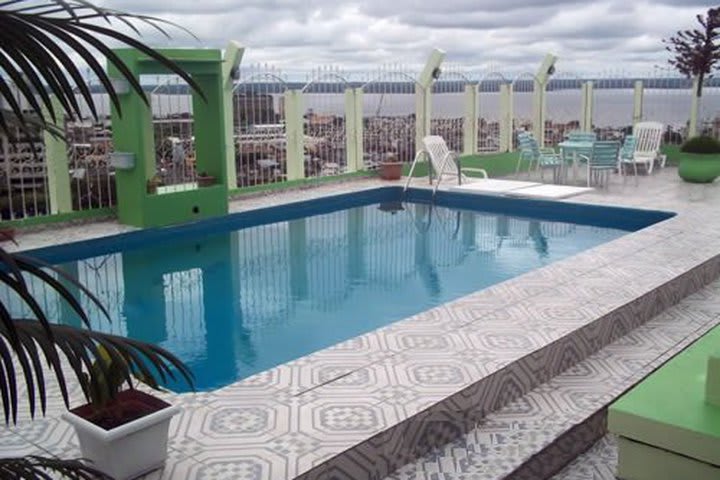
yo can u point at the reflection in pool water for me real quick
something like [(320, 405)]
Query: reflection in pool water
[(234, 304)]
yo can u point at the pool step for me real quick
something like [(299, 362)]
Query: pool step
[(536, 435)]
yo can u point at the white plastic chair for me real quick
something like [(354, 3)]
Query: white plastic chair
[(444, 161), (648, 136)]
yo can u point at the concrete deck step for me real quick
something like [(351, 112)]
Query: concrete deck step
[(535, 436), (597, 463)]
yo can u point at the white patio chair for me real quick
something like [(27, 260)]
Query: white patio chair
[(444, 161), (648, 136)]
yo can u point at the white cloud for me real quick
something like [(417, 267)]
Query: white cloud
[(511, 35)]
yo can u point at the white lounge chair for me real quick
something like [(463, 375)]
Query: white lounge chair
[(444, 161), (648, 136), (445, 165)]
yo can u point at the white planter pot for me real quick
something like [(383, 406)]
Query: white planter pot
[(130, 450)]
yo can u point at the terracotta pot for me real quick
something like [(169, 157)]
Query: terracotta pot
[(7, 234), (391, 170)]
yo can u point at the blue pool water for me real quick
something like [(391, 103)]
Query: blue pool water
[(232, 299)]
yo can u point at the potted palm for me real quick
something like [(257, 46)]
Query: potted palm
[(31, 347), (123, 432)]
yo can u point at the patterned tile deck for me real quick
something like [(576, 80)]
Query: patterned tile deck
[(598, 463), (533, 436), (364, 407)]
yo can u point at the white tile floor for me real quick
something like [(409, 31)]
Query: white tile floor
[(290, 420)]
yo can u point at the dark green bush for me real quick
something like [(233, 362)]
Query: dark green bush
[(702, 144)]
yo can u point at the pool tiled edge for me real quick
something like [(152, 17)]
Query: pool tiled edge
[(370, 404)]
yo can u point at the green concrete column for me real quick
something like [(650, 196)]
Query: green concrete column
[(56, 160), (470, 122), (137, 137), (506, 120), (638, 102), (694, 109), (231, 62), (353, 118), (133, 133), (294, 126), (210, 146)]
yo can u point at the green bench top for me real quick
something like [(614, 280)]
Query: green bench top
[(668, 409)]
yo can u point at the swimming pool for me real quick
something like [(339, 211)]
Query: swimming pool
[(237, 295)]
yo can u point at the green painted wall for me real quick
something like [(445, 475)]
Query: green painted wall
[(133, 132), (172, 208)]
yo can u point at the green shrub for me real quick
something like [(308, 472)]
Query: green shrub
[(701, 144)]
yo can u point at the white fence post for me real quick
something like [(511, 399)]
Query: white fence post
[(586, 121), (506, 117), (638, 102), (353, 122), (295, 135), (470, 122)]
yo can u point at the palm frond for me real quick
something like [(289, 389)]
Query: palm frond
[(81, 348), (34, 467), (34, 38), (27, 339)]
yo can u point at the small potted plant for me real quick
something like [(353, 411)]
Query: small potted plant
[(700, 160), (153, 184), (391, 168), (124, 433), (205, 180), (7, 234)]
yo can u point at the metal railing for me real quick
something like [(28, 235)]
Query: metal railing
[(389, 119)]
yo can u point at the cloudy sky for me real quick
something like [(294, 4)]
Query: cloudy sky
[(506, 35)]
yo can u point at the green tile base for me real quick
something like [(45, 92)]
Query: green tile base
[(668, 410), (637, 461)]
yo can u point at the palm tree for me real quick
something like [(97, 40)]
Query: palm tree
[(37, 38)]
